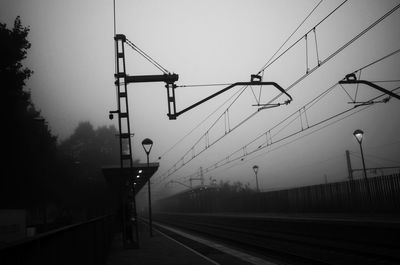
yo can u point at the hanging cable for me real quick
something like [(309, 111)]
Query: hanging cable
[(321, 122), (378, 60), (200, 123), (202, 85), (305, 107), (259, 93), (114, 17), (340, 49), (270, 62), (353, 100), (307, 69), (222, 162), (241, 158), (255, 97), (385, 81), (304, 20), (302, 136), (316, 46), (359, 77), (169, 172), (313, 69), (251, 115), (147, 57)]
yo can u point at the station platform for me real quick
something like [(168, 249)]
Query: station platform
[(158, 249), (161, 248)]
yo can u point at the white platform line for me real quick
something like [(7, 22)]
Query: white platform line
[(183, 245), (241, 255)]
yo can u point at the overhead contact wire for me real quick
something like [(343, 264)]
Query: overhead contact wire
[(304, 20), (338, 51), (258, 73), (329, 57), (291, 46)]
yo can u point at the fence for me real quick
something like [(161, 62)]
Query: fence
[(378, 194), (84, 243)]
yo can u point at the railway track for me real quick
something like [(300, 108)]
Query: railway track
[(298, 240)]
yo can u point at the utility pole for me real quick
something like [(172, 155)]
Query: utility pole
[(126, 156), (201, 176), (350, 170)]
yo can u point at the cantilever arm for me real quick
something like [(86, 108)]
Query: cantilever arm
[(350, 79), (173, 116)]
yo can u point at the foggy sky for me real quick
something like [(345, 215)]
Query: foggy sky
[(207, 42)]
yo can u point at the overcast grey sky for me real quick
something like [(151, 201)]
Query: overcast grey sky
[(223, 41)]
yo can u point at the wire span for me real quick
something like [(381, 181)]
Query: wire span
[(340, 49), (259, 96), (307, 106), (283, 44), (227, 160), (203, 85), (200, 123), (168, 173), (291, 46)]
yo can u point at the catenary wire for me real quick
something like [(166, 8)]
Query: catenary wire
[(329, 57), (242, 91), (332, 55), (316, 99), (298, 132), (291, 35), (291, 46), (219, 164), (200, 123)]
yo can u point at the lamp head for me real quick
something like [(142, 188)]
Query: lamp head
[(358, 134), (255, 168), (147, 145)]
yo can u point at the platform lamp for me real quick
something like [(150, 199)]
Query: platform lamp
[(147, 145), (255, 169), (359, 134)]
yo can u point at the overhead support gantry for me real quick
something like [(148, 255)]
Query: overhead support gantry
[(122, 79), (126, 159)]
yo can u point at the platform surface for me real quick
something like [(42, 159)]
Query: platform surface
[(158, 249)]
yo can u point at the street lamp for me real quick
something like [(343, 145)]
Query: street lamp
[(255, 169), (147, 145), (358, 134)]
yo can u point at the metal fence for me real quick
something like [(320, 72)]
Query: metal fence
[(84, 243), (378, 194)]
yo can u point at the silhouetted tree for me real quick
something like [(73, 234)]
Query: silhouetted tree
[(29, 147), (36, 173), (237, 186), (88, 150), (91, 149), (13, 50)]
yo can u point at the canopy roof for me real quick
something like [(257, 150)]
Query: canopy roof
[(139, 174)]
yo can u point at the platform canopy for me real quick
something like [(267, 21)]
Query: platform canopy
[(139, 173)]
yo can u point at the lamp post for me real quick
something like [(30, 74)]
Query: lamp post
[(358, 134), (147, 145), (255, 169)]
